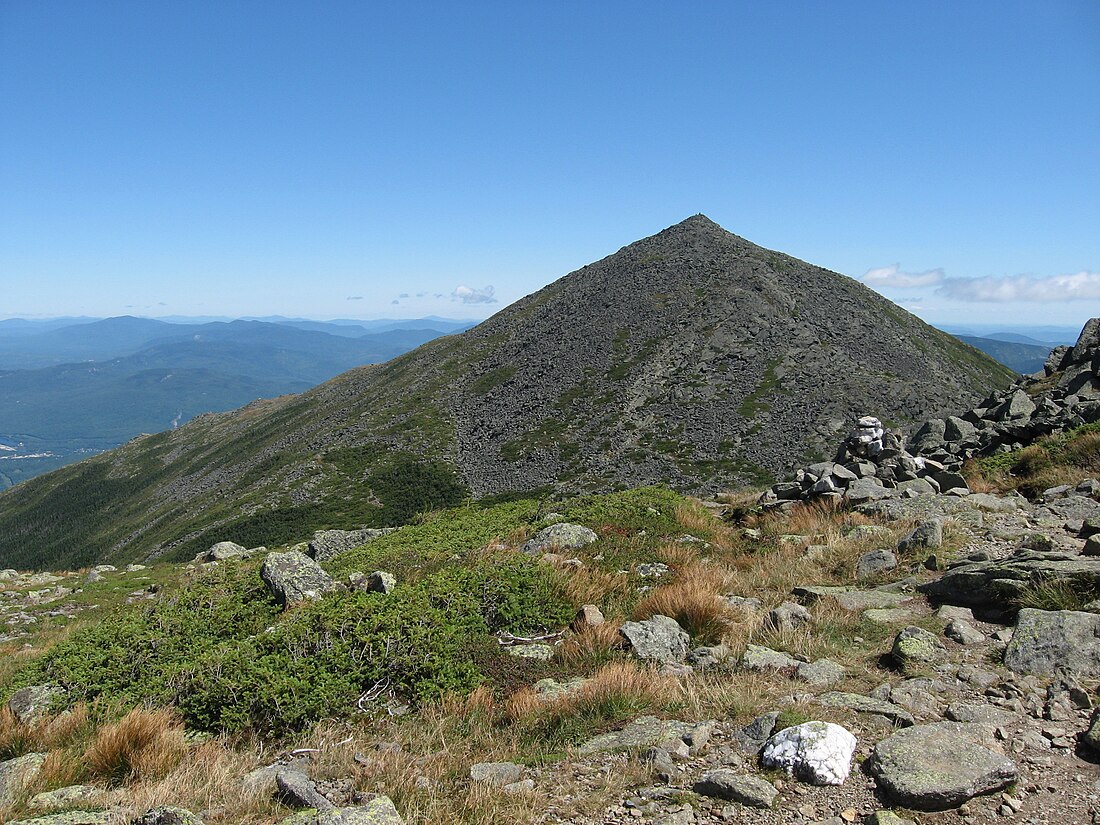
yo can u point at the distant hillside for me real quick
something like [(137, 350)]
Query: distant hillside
[(58, 414), (692, 358), (1021, 357)]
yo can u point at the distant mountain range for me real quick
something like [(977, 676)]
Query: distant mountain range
[(73, 387), (1016, 351)]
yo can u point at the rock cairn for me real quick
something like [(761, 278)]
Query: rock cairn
[(1065, 394), (871, 464), (875, 463)]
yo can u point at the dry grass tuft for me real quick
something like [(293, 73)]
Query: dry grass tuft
[(142, 745), (591, 585), (207, 778), (694, 600), (590, 644), (18, 738)]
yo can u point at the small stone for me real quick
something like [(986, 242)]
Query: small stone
[(723, 783), (964, 633), (497, 774)]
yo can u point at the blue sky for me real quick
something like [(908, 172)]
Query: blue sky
[(325, 159)]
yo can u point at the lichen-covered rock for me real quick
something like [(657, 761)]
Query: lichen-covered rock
[(327, 544), (379, 811), (1045, 641), (928, 535), (748, 789), (859, 703), (293, 577), (563, 536), (820, 673), (1091, 737), (221, 551), (69, 818), (31, 703), (67, 797), (915, 646), (938, 766), (961, 631), (643, 732), (819, 753), (994, 585), (658, 638), (167, 815), (15, 774), (757, 657)]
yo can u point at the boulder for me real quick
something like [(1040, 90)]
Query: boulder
[(1091, 737), (873, 562), (31, 703), (757, 657), (938, 766), (167, 815), (15, 774), (748, 789), (915, 646), (496, 774), (327, 544), (819, 753), (851, 599), (70, 818), (788, 616), (643, 732), (658, 638), (1046, 641), (293, 577), (961, 631), (857, 702), (68, 797), (994, 585), (928, 535), (562, 536), (820, 673), (222, 551), (379, 811), (298, 790)]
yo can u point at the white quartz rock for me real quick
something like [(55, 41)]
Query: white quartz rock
[(816, 752)]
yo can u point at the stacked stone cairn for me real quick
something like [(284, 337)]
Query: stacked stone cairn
[(871, 464), (1065, 394), (875, 463)]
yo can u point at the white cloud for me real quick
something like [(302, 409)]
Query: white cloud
[(468, 295), (1082, 286), (891, 277)]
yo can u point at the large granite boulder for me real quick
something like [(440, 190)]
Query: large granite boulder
[(995, 585), (939, 766), (293, 577), (560, 536), (657, 639), (16, 774), (1046, 641)]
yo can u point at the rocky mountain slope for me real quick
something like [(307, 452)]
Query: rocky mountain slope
[(692, 358)]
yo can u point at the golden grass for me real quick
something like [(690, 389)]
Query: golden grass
[(592, 643), (143, 744), (694, 599)]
